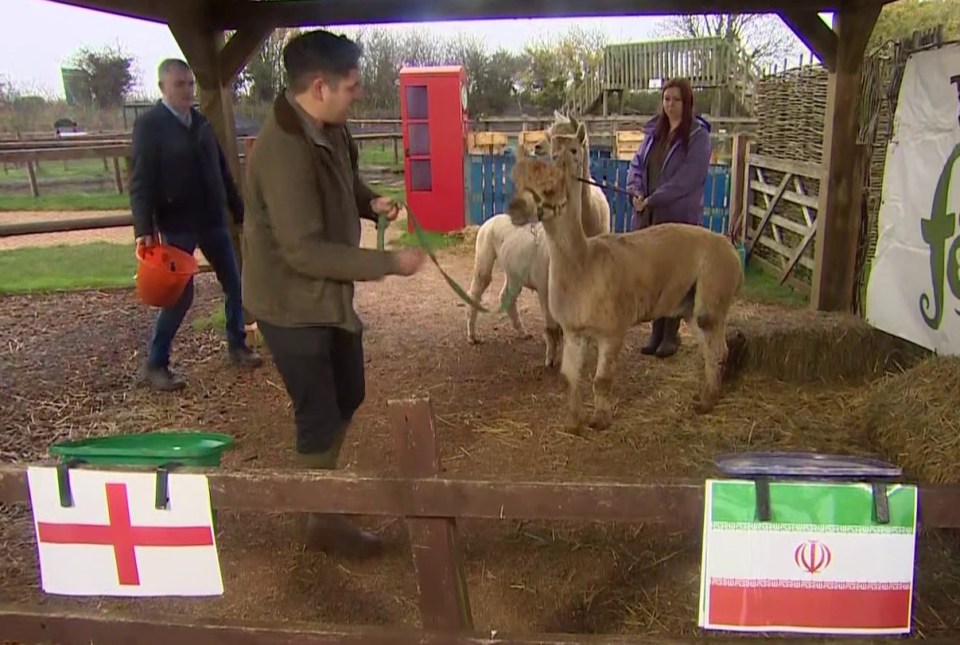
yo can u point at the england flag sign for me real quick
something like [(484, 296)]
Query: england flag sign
[(113, 541)]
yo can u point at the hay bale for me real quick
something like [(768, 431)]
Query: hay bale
[(912, 418), (815, 346)]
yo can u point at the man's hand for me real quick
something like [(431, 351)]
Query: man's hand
[(387, 207), (409, 261), (639, 203), (143, 240)]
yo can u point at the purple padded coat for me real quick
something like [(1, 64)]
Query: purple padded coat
[(679, 197)]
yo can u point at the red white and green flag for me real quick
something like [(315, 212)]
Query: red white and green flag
[(822, 564)]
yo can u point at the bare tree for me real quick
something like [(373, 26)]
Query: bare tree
[(763, 36)]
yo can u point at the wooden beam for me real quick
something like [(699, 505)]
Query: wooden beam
[(245, 13), (815, 34), (676, 503), (204, 47), (73, 628), (841, 190), (238, 50), (150, 10)]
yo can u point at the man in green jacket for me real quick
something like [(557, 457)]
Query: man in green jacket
[(301, 252)]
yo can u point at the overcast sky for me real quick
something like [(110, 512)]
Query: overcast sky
[(38, 36)]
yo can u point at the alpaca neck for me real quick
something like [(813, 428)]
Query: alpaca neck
[(565, 231)]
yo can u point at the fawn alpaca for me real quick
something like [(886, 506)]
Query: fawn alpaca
[(601, 286)]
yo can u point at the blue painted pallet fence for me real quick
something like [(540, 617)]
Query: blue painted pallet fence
[(491, 186)]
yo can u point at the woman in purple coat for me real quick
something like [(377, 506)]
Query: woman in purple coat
[(666, 177)]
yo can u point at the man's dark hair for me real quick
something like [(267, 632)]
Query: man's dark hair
[(319, 52)]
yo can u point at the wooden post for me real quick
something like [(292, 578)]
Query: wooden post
[(444, 601), (738, 166), (117, 175), (841, 190), (32, 175), (215, 66)]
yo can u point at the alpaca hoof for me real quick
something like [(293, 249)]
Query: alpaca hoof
[(601, 419), (473, 340), (703, 405), (572, 423)]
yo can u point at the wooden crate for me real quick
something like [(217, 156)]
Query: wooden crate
[(627, 143), (494, 143), (530, 138)]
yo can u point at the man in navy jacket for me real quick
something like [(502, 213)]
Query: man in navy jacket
[(181, 188)]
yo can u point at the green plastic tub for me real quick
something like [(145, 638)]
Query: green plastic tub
[(189, 449)]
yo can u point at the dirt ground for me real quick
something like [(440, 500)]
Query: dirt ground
[(67, 364)]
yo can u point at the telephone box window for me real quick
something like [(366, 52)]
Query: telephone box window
[(420, 175), (417, 102)]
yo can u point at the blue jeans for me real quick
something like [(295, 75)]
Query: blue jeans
[(217, 248)]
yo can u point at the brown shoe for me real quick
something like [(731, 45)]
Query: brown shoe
[(160, 378), (244, 357), (336, 534)]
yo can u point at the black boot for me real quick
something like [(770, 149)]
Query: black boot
[(669, 343), (656, 336)]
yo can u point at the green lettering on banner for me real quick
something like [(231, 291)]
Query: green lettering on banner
[(936, 230)]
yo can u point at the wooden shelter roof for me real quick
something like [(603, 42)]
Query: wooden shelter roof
[(235, 14)]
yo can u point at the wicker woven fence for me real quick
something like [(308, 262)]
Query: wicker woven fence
[(791, 107)]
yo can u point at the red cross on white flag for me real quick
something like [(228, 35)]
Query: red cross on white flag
[(114, 542)]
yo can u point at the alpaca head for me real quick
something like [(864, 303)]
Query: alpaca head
[(539, 190), (567, 137)]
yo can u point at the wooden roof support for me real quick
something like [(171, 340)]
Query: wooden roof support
[(216, 63), (841, 190), (814, 33)]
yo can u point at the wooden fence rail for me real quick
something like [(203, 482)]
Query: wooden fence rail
[(431, 504), (31, 153)]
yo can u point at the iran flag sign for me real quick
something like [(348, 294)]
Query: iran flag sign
[(822, 564)]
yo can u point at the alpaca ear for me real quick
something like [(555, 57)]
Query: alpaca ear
[(581, 132)]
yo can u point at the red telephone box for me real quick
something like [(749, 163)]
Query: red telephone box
[(433, 112)]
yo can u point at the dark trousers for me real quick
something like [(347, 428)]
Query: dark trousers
[(217, 247), (322, 370)]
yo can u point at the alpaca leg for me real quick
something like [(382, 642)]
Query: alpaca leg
[(574, 346), (510, 284), (482, 276), (551, 332), (713, 346), (608, 352)]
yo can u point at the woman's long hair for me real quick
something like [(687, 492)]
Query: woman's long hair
[(686, 120)]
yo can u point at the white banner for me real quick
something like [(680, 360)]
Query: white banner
[(914, 285)]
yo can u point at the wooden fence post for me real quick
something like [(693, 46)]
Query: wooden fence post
[(738, 167), (442, 583)]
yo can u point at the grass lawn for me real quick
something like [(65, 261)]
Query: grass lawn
[(96, 265), (65, 202), (107, 265)]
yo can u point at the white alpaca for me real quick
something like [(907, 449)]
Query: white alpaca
[(521, 252), (562, 137), (522, 255)]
